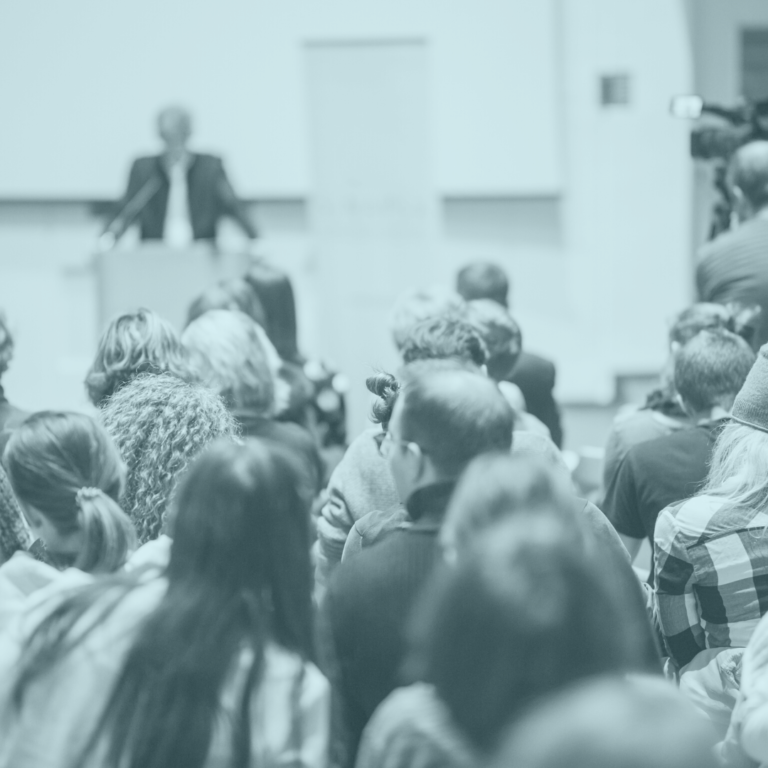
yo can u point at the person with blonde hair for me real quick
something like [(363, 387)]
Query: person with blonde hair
[(227, 353), (160, 423), (711, 556), (134, 343)]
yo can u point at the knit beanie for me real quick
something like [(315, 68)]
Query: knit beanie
[(751, 404)]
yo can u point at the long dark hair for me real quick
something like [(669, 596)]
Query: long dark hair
[(275, 292), (239, 575), (67, 467)]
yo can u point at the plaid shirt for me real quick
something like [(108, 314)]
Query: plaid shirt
[(711, 575)]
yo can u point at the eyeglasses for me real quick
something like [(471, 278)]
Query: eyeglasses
[(385, 441)]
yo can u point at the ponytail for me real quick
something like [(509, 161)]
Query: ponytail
[(108, 533)]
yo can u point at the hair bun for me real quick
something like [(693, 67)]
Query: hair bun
[(87, 494)]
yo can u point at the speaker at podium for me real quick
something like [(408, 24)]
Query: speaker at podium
[(165, 280)]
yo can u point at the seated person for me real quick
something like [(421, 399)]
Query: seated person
[(709, 371), (446, 414)]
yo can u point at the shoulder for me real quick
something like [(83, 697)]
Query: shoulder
[(209, 162), (687, 519), (534, 364)]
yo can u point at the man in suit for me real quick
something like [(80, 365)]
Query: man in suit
[(533, 374), (177, 196)]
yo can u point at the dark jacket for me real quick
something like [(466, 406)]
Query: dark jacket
[(210, 197), (368, 605), (536, 378)]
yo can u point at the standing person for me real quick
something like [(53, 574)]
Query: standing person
[(67, 476), (444, 416), (733, 268), (177, 196), (534, 375), (207, 666), (709, 371)]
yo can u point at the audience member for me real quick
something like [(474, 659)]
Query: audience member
[(522, 616), (534, 375), (67, 475), (14, 534), (610, 723), (211, 664), (495, 489), (732, 268), (711, 557), (160, 423), (709, 371), (361, 482), (235, 293), (318, 392), (10, 416), (226, 354), (444, 416), (133, 344), (662, 412), (503, 341)]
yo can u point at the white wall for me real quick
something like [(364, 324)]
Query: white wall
[(81, 81)]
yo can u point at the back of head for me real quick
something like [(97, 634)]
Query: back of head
[(453, 413), (611, 723), (273, 288), (696, 318), (445, 335), (241, 526), (421, 304), (495, 488), (749, 172), (500, 333), (228, 294), (710, 369), (135, 343), (6, 345), (226, 354), (66, 467), (523, 616), (160, 424), (483, 280)]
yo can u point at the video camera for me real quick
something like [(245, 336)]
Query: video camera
[(738, 126)]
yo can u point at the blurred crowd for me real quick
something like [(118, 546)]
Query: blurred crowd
[(209, 571)]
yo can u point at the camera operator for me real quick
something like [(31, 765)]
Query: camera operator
[(733, 268)]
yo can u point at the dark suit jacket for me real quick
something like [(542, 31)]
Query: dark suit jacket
[(536, 378), (210, 197)]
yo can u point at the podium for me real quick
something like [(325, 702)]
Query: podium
[(165, 280)]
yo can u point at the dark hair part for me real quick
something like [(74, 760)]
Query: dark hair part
[(712, 368), (135, 343), (453, 413), (446, 335), (239, 576), (50, 459), (386, 387), (483, 280), (275, 292), (228, 294), (522, 617)]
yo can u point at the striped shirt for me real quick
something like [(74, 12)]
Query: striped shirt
[(711, 564), (734, 268)]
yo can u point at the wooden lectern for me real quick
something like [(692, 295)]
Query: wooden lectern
[(165, 280)]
